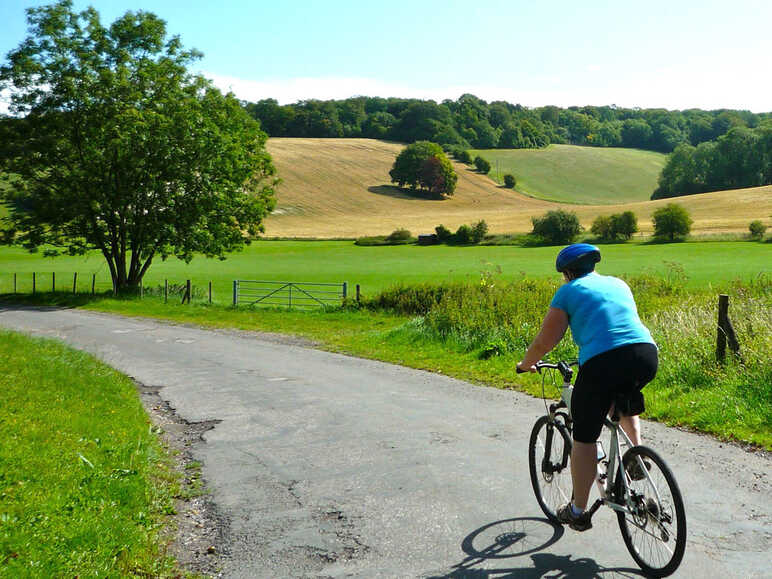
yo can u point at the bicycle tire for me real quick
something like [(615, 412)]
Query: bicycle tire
[(551, 482), (655, 533)]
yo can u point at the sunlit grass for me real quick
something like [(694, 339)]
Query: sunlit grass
[(584, 175), (84, 486)]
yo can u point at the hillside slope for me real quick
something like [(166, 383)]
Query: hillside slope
[(572, 174), (340, 188)]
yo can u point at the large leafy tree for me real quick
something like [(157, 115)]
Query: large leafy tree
[(119, 148), (423, 165), (671, 222)]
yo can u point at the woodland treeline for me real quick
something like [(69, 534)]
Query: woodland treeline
[(470, 122), (710, 150), (740, 158)]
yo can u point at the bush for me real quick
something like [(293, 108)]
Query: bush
[(482, 165), (611, 227), (672, 222), (463, 234), (556, 227), (443, 233), (602, 228), (624, 224), (412, 300), (399, 236), (371, 241), (461, 154), (479, 231), (757, 229), (396, 237), (509, 181)]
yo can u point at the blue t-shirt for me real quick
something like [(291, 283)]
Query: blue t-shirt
[(602, 314)]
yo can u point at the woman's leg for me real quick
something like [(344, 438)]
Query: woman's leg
[(632, 426), (584, 464)]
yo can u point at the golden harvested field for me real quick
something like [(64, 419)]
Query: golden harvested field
[(341, 188)]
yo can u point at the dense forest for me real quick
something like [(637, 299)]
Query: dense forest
[(470, 122), (740, 158)]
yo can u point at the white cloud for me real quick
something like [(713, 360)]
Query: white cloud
[(664, 88)]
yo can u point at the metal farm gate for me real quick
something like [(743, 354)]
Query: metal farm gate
[(288, 294)]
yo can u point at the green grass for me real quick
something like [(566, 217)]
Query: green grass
[(375, 268), (582, 175), (84, 489)]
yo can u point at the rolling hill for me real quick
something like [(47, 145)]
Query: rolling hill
[(340, 188), (586, 175)]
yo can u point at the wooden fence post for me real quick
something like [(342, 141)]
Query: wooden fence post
[(725, 332), (33, 283), (166, 290), (53, 282), (93, 284), (235, 292), (210, 292), (358, 294), (345, 287), (14, 283), (74, 283), (187, 292)]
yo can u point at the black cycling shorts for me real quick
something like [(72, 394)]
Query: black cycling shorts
[(614, 376)]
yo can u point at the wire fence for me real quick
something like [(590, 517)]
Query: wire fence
[(242, 292), (50, 281)]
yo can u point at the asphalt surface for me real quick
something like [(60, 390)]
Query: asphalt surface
[(324, 465)]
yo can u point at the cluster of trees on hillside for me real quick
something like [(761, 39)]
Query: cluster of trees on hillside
[(740, 158), (471, 122)]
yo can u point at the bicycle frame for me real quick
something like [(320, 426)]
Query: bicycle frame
[(650, 515), (614, 467)]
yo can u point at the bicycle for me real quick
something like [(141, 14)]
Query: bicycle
[(648, 504)]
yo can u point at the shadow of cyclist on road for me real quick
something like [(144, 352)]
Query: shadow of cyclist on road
[(513, 538)]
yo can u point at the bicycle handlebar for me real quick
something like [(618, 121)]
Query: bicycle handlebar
[(563, 367)]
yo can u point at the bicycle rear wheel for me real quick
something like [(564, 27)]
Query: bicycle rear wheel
[(549, 450), (654, 529)]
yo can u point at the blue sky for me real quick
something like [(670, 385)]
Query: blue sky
[(674, 54)]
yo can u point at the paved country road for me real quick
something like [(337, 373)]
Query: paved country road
[(328, 466)]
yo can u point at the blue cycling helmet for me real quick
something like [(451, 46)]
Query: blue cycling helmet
[(580, 257)]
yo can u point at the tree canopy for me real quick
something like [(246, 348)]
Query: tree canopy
[(423, 165), (671, 222), (472, 122), (556, 227), (119, 148), (740, 158)]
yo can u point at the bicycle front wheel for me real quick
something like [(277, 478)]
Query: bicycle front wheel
[(549, 451), (654, 527)]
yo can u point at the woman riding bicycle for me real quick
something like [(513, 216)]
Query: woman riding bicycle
[(617, 358)]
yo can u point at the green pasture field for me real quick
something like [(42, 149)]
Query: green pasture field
[(375, 268), (582, 175), (85, 485)]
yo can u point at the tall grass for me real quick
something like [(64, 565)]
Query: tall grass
[(83, 489), (732, 399)]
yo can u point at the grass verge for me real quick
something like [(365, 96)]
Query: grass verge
[(85, 486)]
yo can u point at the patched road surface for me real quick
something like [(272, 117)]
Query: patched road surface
[(324, 465)]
